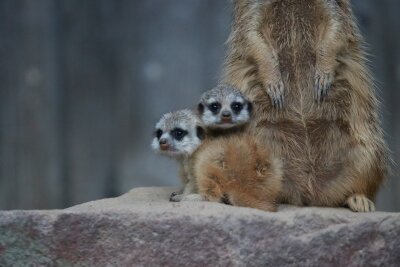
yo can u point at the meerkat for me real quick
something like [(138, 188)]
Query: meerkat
[(239, 171), (179, 134), (304, 67), (224, 108)]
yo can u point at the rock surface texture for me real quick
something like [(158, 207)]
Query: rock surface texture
[(141, 228)]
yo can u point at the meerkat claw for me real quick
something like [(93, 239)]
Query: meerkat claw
[(175, 197), (360, 203), (275, 92), (281, 101), (323, 83), (172, 195)]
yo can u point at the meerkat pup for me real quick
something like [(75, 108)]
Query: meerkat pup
[(303, 66), (179, 134), (224, 107), (240, 171)]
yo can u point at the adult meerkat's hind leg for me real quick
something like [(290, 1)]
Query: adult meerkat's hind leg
[(358, 183), (360, 203)]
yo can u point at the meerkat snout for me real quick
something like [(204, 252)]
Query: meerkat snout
[(164, 144), (226, 117), (226, 114), (224, 107)]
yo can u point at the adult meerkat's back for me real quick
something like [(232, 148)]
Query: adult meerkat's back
[(303, 66)]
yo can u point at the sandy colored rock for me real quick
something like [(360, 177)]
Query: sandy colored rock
[(141, 228)]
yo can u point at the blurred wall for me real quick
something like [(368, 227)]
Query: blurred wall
[(82, 84)]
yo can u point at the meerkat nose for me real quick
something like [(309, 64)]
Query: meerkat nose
[(226, 114), (164, 144)]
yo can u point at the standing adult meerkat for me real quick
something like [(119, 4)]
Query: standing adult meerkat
[(303, 65)]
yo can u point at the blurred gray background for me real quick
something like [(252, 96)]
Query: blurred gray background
[(82, 83)]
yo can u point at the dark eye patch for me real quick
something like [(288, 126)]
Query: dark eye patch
[(158, 133), (214, 107), (236, 107), (178, 133), (249, 107), (200, 108), (200, 132)]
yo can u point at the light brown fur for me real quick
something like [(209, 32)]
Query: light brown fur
[(326, 130), (238, 170)]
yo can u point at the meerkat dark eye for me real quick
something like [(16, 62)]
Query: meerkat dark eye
[(214, 107), (158, 133), (178, 134), (236, 107)]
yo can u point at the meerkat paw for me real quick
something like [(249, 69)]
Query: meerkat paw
[(275, 93), (175, 197), (360, 203), (193, 198), (323, 83)]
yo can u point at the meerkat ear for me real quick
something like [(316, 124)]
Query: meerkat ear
[(200, 108), (249, 107), (200, 133)]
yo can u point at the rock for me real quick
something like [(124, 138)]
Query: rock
[(141, 228)]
